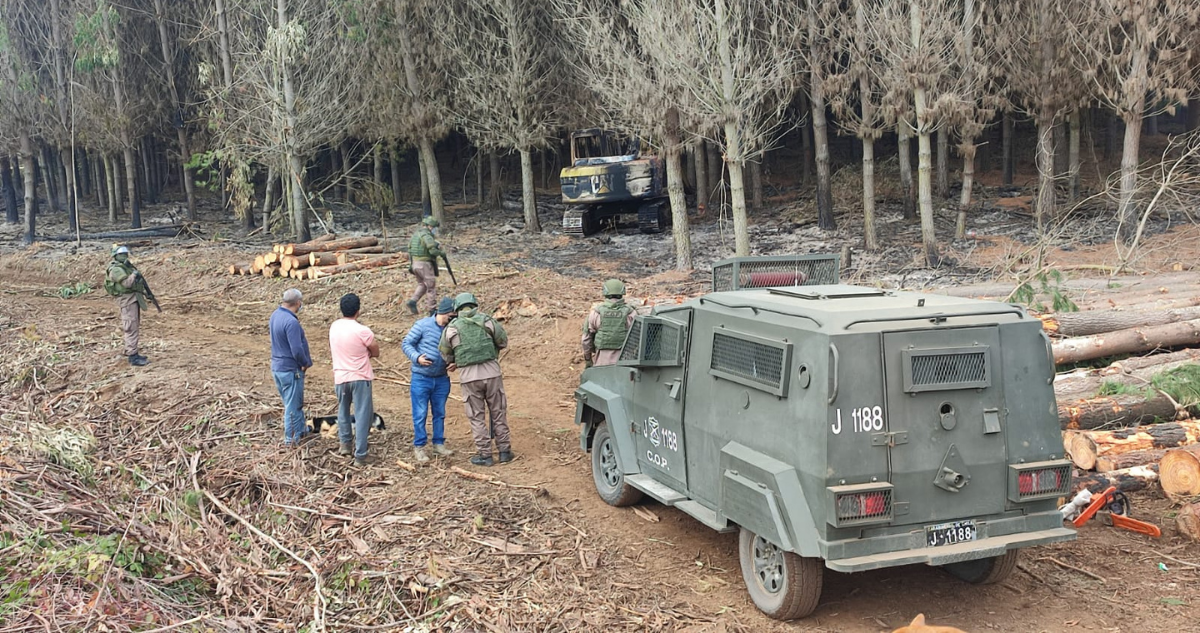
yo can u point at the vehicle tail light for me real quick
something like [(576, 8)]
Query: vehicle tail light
[(864, 506), (1042, 480)]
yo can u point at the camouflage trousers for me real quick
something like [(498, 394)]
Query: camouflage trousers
[(131, 320), (426, 283), (484, 397)]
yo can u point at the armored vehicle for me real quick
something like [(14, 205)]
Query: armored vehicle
[(834, 426), (610, 176)]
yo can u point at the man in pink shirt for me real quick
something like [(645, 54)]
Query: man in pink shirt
[(352, 346)]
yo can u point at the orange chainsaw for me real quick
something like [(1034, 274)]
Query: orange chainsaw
[(1114, 508)]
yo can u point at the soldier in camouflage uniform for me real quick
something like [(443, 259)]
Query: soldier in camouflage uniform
[(423, 253), (472, 343), (606, 326), (121, 281)]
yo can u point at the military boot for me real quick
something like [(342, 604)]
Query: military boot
[(137, 360), (345, 450), (505, 457), (412, 306), (482, 460), (419, 455), (441, 451)]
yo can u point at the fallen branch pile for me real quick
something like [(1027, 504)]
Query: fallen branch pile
[(321, 257)]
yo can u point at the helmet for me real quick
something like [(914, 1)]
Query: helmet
[(463, 300), (118, 249), (614, 288), (429, 220)]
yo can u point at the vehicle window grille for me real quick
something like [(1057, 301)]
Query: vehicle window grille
[(740, 273), (876, 508), (633, 341), (1061, 476), (750, 360), (662, 342), (942, 369)]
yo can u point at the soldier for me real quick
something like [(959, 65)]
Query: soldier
[(472, 343), (606, 326), (423, 253), (123, 281)]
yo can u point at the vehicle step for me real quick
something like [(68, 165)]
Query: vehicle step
[(705, 515), (661, 492)]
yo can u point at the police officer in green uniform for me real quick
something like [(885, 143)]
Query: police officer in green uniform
[(121, 281), (423, 253), (606, 326), (471, 345)]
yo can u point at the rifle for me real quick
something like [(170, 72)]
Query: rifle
[(145, 289), (448, 268)]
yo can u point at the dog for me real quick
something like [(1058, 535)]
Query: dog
[(918, 626), (326, 425)]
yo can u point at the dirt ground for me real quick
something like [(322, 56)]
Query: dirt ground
[(211, 335)]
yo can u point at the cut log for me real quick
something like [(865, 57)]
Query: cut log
[(1179, 470), (366, 249), (288, 263), (318, 272), (1109, 463), (1101, 321), (1187, 521), (1088, 447), (270, 258), (322, 259), (332, 245), (239, 269), (1128, 480), (1130, 341), (1123, 410), (347, 257), (270, 270), (1087, 383), (257, 266), (172, 230), (1131, 365)]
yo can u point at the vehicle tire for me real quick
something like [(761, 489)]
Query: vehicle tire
[(783, 585), (985, 571), (606, 473)]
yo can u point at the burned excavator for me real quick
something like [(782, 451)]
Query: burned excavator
[(609, 177)]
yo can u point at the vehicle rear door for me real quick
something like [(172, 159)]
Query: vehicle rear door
[(946, 422), (658, 394)]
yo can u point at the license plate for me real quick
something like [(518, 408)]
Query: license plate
[(950, 533), (572, 222)]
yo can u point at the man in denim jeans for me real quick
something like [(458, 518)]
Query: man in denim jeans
[(352, 346), (289, 360), (430, 383)]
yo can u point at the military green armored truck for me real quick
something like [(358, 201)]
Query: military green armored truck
[(834, 426)]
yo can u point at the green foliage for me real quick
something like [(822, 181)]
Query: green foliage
[(205, 167), (1114, 388), (78, 289), (95, 45), (1045, 283), (1182, 384)]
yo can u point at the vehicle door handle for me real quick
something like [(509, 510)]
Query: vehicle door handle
[(673, 387)]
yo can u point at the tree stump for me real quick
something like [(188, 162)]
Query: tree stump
[(1179, 471)]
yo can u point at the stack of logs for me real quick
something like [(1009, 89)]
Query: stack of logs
[(1135, 437), (321, 257)]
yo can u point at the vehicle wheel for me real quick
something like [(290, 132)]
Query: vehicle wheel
[(782, 585), (985, 571), (610, 481)]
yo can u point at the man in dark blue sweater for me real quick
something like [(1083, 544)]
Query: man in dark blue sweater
[(430, 383), (289, 360)]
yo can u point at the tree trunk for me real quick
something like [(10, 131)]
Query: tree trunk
[(1111, 131), (131, 187), (756, 184), (1044, 209), (1127, 210), (428, 158), (223, 39), (436, 201), (295, 164), (825, 217), (806, 153), (968, 149), (904, 143), (943, 163), (395, 163), (495, 200), (478, 179), (12, 215), (1179, 472), (868, 178), (1152, 125), (29, 174), (269, 199), (1102, 321), (1087, 448), (679, 212), (1128, 341), (1128, 480), (148, 184), (116, 199), (1060, 149), (542, 166), (1073, 158), (1006, 150), (528, 195), (336, 190), (347, 169), (48, 177), (426, 203), (700, 156)]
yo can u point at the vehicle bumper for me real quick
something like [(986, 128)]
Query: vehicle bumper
[(946, 554)]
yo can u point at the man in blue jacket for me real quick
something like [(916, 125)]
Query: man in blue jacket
[(430, 383), (289, 360)]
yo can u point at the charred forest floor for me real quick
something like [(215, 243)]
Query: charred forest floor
[(127, 494)]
